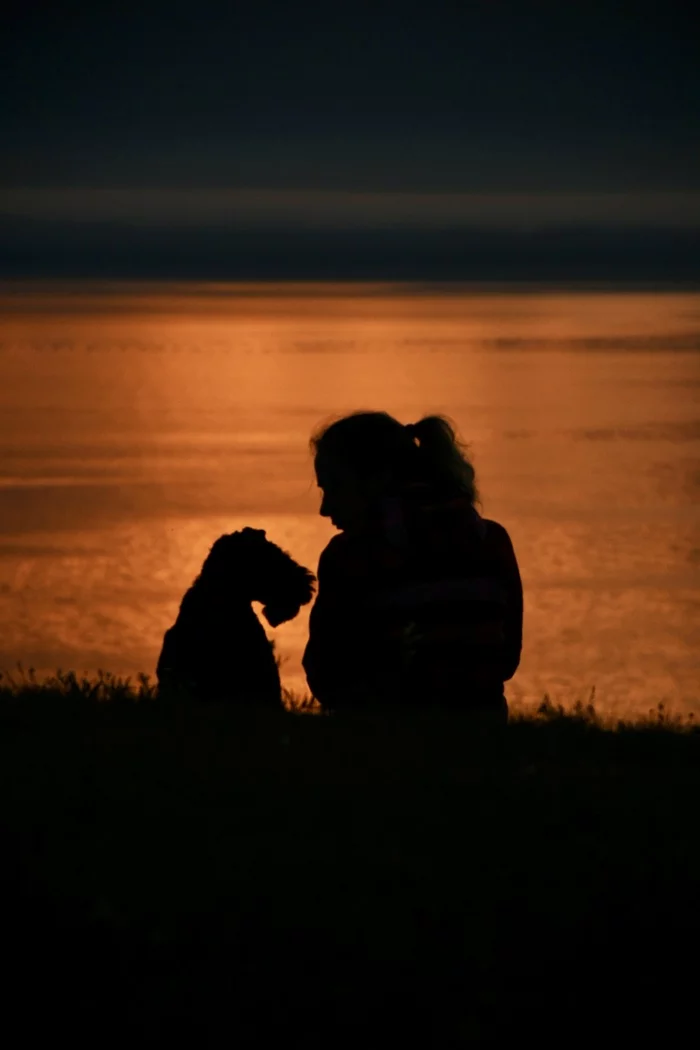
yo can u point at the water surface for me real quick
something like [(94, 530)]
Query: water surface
[(137, 423)]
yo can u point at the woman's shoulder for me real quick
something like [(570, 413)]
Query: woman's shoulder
[(496, 534), (493, 530), (499, 545)]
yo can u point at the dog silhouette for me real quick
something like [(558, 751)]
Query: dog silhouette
[(217, 648)]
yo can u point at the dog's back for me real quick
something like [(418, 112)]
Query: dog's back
[(213, 652)]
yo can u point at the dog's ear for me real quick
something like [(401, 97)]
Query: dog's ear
[(310, 584), (284, 609)]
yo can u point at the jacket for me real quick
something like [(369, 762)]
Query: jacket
[(424, 607)]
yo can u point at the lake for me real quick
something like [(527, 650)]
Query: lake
[(139, 422)]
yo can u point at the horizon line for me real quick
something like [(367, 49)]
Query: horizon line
[(267, 208)]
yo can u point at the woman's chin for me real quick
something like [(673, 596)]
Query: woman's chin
[(348, 524)]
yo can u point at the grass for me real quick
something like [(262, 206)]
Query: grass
[(218, 876)]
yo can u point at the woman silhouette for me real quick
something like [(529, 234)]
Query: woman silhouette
[(419, 598)]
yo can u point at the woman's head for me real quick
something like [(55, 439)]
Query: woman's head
[(368, 455)]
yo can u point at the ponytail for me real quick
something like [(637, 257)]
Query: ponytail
[(444, 461)]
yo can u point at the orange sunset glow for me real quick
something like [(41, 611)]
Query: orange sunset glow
[(349, 524), (139, 426)]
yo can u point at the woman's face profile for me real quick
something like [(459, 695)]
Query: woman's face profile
[(343, 499)]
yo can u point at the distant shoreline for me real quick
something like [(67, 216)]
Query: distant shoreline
[(46, 294)]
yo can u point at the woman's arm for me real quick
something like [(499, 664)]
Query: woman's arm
[(333, 654)]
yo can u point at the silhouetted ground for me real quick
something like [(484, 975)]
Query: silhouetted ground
[(227, 879)]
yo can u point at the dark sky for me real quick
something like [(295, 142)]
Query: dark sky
[(455, 97)]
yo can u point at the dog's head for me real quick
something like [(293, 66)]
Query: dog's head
[(283, 585), (260, 571)]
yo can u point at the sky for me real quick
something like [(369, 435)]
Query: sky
[(125, 134)]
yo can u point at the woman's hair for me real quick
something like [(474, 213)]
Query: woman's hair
[(375, 445)]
